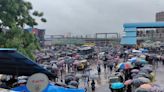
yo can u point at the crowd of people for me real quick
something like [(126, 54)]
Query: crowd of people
[(128, 69), (135, 70)]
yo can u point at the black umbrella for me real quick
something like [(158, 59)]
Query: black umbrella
[(73, 83), (140, 80), (68, 79), (149, 69), (144, 74)]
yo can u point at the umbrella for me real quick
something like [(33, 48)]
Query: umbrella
[(117, 85), (133, 74), (45, 63), (141, 80), (60, 62), (148, 69), (76, 62), (144, 74), (69, 60), (73, 83), (156, 89), (136, 51), (54, 61), (54, 66), (141, 90), (144, 71), (146, 86), (125, 66), (68, 79), (143, 56), (128, 82), (130, 55), (128, 65), (77, 56), (135, 71), (134, 59), (143, 61)]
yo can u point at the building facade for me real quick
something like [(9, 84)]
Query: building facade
[(39, 33), (141, 31), (160, 16), (160, 31)]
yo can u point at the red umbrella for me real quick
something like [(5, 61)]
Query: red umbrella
[(128, 65)]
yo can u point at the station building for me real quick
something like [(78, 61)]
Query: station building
[(136, 32)]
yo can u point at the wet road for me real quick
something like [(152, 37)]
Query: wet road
[(102, 85), (160, 75), (102, 82)]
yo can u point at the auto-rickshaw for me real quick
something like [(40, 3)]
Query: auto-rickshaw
[(82, 65)]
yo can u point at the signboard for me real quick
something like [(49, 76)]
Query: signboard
[(37, 82)]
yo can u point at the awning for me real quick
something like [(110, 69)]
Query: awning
[(13, 62)]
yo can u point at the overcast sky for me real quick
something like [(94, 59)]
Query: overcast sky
[(91, 16)]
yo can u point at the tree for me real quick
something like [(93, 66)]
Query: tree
[(14, 15)]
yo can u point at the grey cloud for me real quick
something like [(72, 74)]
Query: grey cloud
[(91, 16)]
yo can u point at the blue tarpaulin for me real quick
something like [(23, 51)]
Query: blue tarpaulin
[(13, 62), (50, 88)]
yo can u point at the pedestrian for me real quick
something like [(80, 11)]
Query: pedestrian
[(99, 69), (93, 85), (110, 65), (105, 66), (163, 60)]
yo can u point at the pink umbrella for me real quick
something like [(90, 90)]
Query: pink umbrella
[(60, 62), (76, 63), (77, 56), (117, 59), (128, 82)]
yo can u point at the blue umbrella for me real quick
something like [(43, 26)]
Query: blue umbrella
[(143, 61), (117, 85), (133, 59)]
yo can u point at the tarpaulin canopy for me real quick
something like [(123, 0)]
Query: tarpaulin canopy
[(51, 88), (13, 62)]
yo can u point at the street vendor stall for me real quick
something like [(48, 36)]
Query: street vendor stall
[(13, 62)]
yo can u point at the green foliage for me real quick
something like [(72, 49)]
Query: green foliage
[(14, 15)]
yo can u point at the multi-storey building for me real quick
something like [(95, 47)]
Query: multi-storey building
[(160, 31)]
